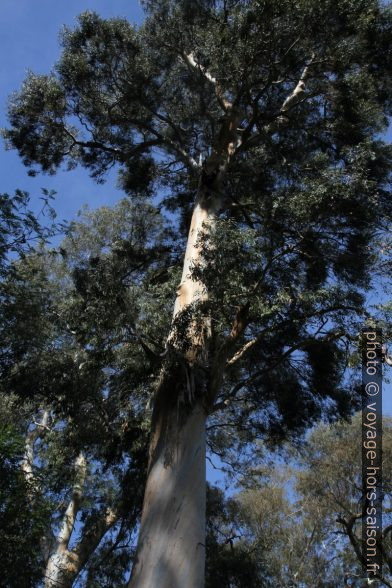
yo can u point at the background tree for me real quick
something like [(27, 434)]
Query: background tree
[(332, 459), (24, 511), (74, 374), (297, 522), (258, 124)]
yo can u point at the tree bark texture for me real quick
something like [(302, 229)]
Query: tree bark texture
[(171, 545)]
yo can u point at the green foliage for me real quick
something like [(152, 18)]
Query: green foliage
[(24, 515), (305, 202), (229, 561), (82, 332), (304, 196), (290, 524), (20, 228)]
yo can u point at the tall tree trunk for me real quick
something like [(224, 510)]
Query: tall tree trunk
[(171, 545), (171, 550)]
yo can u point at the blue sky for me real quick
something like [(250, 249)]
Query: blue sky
[(29, 40)]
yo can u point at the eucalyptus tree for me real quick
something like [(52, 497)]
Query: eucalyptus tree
[(257, 124), (24, 511), (297, 522), (73, 391), (328, 484)]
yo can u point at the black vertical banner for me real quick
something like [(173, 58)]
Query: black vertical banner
[(372, 451)]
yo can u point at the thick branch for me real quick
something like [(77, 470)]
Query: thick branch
[(308, 340), (117, 153), (281, 118), (31, 438), (190, 61), (296, 94), (292, 100), (250, 344), (92, 536), (73, 506), (348, 527), (239, 325), (241, 352)]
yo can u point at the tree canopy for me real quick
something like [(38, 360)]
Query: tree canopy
[(260, 125)]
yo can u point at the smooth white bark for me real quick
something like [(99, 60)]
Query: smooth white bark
[(60, 559), (32, 436), (171, 550)]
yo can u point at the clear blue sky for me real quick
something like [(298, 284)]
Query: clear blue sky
[(29, 40)]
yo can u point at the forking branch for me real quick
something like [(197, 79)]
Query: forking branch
[(58, 561), (191, 62), (281, 118)]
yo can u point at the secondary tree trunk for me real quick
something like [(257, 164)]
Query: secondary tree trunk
[(56, 573)]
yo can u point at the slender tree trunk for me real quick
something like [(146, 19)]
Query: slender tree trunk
[(28, 457), (64, 567), (56, 573)]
